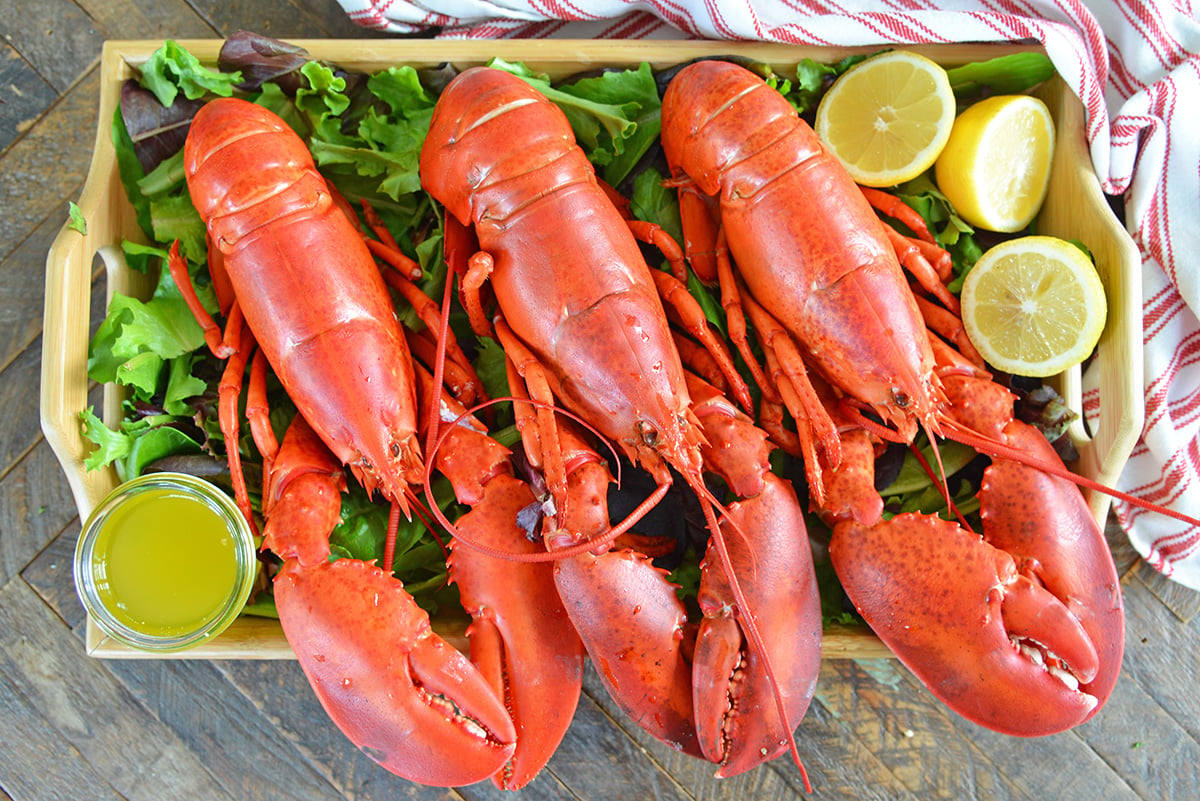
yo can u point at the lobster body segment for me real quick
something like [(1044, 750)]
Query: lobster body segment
[(308, 288), (826, 270), (598, 327)]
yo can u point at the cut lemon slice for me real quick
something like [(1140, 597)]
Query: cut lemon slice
[(1034, 306), (887, 118), (995, 168)]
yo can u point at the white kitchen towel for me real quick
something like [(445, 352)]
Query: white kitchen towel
[(1135, 64)]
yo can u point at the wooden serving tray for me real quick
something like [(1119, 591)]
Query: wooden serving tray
[(1075, 208)]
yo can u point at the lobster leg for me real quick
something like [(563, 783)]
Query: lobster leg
[(400, 692)]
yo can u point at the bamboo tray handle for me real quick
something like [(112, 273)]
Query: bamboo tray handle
[(1076, 208), (66, 318)]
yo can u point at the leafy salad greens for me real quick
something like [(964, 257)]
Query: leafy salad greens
[(365, 133)]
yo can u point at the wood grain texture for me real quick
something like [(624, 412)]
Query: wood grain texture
[(46, 167), (90, 709), (72, 727), (24, 95)]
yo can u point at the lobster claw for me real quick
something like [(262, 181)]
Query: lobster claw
[(520, 636), (740, 685), (637, 638), (400, 692), (396, 689), (1032, 614), (737, 717), (985, 639)]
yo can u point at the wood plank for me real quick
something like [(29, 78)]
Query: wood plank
[(146, 19), (908, 730), (35, 500), (1125, 557), (35, 763), (1075, 772), (283, 698), (1183, 602), (24, 95), (55, 37), (1139, 740), (50, 575), (61, 39), (20, 439), (284, 18), (1161, 654), (230, 731), (23, 290), (90, 710), (22, 430), (597, 760), (48, 164), (837, 763)]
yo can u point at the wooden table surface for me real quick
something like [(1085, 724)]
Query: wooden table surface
[(74, 727)]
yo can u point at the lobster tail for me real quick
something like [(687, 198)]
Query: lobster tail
[(827, 273), (309, 290)]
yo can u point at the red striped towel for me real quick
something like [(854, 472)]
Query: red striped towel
[(1134, 63)]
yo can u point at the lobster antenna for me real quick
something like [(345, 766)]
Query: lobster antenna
[(708, 503), (996, 448), (389, 542), (944, 487), (941, 471)]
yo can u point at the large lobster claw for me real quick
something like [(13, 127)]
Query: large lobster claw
[(401, 693), (521, 638), (735, 683), (943, 601), (1020, 630)]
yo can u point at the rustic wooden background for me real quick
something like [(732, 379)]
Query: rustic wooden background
[(73, 727)]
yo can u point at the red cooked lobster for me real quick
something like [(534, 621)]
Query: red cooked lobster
[(1021, 630), (583, 326), (302, 293)]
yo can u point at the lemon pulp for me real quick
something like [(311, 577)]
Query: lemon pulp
[(1034, 306), (995, 167), (887, 118)]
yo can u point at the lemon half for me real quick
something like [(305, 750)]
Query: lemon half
[(995, 168), (887, 118), (1034, 306)]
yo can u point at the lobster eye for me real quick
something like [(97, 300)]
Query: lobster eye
[(901, 398), (648, 433)]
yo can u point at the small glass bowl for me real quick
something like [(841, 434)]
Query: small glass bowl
[(90, 578)]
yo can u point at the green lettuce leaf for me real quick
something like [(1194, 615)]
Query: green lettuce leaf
[(171, 69), (615, 116), (135, 340)]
